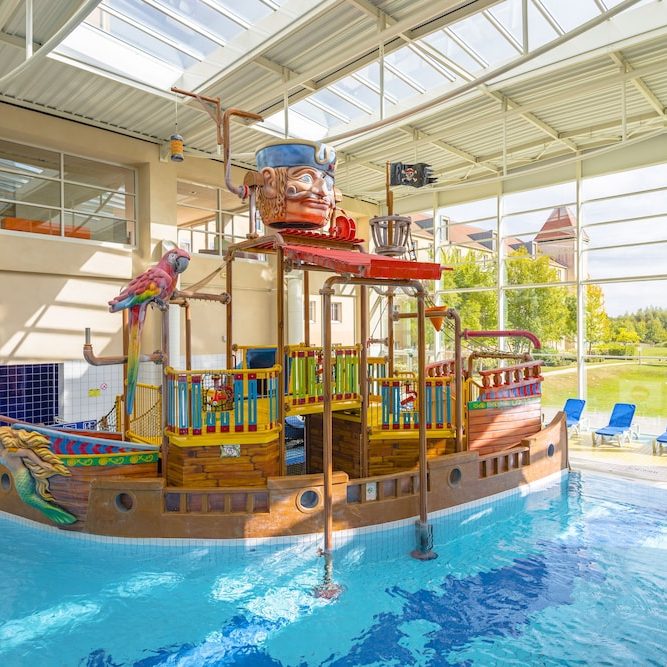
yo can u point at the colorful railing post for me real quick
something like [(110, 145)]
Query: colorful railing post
[(395, 404), (311, 376), (196, 404), (171, 407), (448, 399), (182, 404), (385, 404), (238, 402), (252, 401)]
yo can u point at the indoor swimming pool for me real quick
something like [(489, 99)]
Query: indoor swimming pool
[(571, 575)]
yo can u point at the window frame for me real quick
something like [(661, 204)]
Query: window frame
[(65, 212)]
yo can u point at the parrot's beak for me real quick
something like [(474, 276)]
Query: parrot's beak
[(181, 264)]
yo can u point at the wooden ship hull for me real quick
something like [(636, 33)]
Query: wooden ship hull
[(120, 493), (381, 444)]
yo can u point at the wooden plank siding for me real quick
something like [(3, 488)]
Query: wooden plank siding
[(498, 427)]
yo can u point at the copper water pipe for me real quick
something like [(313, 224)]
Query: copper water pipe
[(306, 308), (188, 337), (458, 362), (280, 352), (116, 360), (165, 393), (458, 378), (228, 313), (243, 191), (327, 435), (363, 378), (504, 333), (390, 332), (327, 418), (223, 298), (494, 355)]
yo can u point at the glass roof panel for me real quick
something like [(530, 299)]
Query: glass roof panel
[(299, 126), (157, 42), (445, 45), (395, 89), (357, 87), (571, 13), (509, 14), (248, 10), (174, 30), (199, 15), (539, 30), (139, 39), (318, 114), (482, 37), (413, 67), (99, 49)]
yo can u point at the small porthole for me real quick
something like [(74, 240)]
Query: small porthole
[(308, 500), (5, 482), (455, 477), (551, 449), (124, 502)]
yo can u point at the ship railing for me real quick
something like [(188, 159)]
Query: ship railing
[(192, 500), (505, 461), (239, 400), (305, 371), (398, 407), (378, 368), (146, 418), (383, 487), (511, 382)]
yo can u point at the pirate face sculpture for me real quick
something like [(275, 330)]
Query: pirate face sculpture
[(296, 184)]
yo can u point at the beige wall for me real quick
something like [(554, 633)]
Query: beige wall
[(50, 289)]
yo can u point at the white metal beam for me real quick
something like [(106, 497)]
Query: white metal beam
[(530, 117), (7, 9), (549, 100), (638, 83), (53, 42)]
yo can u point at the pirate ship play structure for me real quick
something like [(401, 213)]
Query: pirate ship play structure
[(380, 445)]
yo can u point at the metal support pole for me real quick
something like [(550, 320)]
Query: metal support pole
[(390, 332), (306, 308), (126, 347), (228, 314), (458, 379), (28, 29), (424, 550), (280, 352), (327, 435), (363, 377), (165, 390), (188, 336)]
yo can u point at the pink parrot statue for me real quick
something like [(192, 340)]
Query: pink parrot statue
[(155, 285)]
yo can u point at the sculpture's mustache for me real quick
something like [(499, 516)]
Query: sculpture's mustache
[(293, 193)]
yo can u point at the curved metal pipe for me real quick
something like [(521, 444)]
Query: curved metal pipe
[(240, 190), (504, 333), (88, 354), (458, 378)]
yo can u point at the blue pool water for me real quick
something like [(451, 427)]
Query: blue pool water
[(571, 575)]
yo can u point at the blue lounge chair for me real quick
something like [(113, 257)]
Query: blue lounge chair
[(660, 442), (620, 424), (573, 409)]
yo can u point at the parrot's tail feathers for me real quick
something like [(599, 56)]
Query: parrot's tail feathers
[(135, 324)]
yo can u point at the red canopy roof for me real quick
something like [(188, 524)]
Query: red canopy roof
[(363, 264)]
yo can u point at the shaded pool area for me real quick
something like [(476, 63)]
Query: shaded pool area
[(573, 574)]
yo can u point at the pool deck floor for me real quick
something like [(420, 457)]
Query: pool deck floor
[(634, 460)]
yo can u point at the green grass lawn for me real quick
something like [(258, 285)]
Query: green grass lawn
[(645, 385)]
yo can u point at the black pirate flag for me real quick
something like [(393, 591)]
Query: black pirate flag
[(417, 175)]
